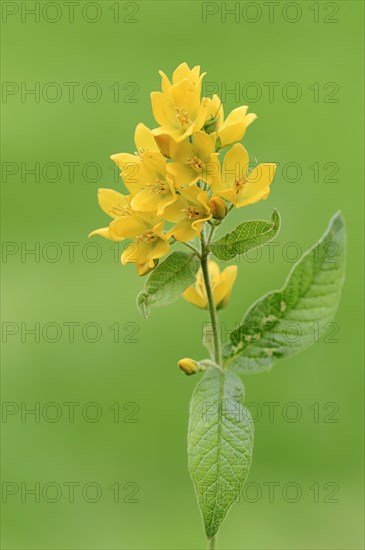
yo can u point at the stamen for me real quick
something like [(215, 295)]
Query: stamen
[(120, 210), (195, 163), (147, 237), (191, 212), (182, 116)]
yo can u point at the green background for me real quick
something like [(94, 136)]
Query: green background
[(152, 452)]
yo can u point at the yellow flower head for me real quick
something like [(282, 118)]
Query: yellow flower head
[(176, 182), (221, 283)]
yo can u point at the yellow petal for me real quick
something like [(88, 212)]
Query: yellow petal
[(250, 118), (121, 159), (205, 144), (214, 272), (128, 226), (153, 200), (185, 96), (144, 139), (223, 290), (106, 233), (145, 251), (233, 132), (235, 165), (163, 110), (237, 115), (113, 203), (165, 82), (195, 298), (256, 184), (183, 174)]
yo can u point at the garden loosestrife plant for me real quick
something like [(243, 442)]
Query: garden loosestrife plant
[(185, 177)]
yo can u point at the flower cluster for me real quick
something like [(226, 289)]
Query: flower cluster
[(176, 180)]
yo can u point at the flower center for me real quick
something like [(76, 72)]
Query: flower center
[(120, 210), (182, 116), (191, 213), (147, 237), (239, 183), (140, 153), (195, 163), (160, 186)]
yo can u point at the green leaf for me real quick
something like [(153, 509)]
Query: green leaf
[(245, 237), (287, 321), (220, 442), (168, 281)]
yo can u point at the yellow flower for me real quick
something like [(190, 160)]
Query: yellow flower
[(179, 111), (189, 212), (115, 205), (233, 128), (221, 284), (157, 192), (240, 186), (181, 72), (137, 168), (195, 161), (149, 245)]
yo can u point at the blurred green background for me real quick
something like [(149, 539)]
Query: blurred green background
[(131, 368)]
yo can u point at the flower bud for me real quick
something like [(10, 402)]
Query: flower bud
[(189, 366), (218, 207), (211, 125)]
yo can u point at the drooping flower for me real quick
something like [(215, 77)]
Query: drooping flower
[(221, 284), (238, 184)]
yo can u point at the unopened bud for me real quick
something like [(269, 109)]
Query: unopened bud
[(188, 366), (211, 125), (218, 207)]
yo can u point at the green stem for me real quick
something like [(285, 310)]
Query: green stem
[(211, 305), (213, 319), (192, 247)]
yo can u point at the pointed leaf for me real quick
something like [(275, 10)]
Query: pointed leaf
[(220, 442), (285, 322), (245, 237), (168, 281)]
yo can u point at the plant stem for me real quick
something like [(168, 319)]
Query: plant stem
[(192, 247), (211, 305), (213, 319)]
